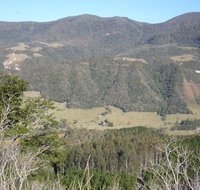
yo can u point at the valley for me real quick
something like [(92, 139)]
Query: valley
[(95, 118), (109, 117)]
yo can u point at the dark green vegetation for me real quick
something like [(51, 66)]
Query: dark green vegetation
[(89, 61), (187, 125), (169, 80), (116, 154)]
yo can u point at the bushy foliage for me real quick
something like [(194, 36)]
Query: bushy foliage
[(187, 125)]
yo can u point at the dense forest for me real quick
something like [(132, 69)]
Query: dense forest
[(88, 61), (38, 152)]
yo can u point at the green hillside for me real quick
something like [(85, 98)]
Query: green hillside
[(89, 61)]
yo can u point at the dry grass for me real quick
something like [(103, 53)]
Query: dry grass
[(180, 132), (93, 118), (53, 45), (36, 49), (37, 55), (32, 94), (182, 58), (20, 47), (131, 59), (187, 47), (13, 60)]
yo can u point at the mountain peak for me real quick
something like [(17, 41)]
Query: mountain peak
[(80, 17)]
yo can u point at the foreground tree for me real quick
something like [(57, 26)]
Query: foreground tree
[(177, 169), (28, 136), (11, 91)]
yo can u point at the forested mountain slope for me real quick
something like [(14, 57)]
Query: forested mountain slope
[(90, 61)]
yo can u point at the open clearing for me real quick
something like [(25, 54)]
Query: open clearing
[(13, 60), (183, 58), (53, 45), (98, 118), (20, 47), (131, 59)]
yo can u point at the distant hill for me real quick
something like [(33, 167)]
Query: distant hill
[(90, 61)]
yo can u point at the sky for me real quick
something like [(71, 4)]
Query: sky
[(151, 11)]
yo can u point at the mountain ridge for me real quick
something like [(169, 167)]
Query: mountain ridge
[(105, 17), (90, 61)]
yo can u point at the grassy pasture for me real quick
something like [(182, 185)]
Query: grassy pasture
[(94, 117), (183, 58)]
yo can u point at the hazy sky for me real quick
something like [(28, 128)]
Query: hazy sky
[(152, 11)]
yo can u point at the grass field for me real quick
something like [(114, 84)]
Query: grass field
[(183, 58), (98, 118)]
